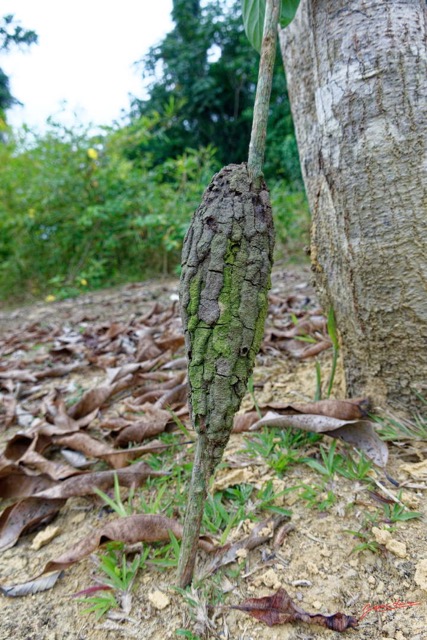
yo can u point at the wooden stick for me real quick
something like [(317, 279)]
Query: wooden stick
[(226, 265), (263, 91)]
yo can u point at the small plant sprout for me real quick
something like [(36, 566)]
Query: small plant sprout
[(391, 427), (118, 572), (333, 335), (167, 555), (398, 512), (318, 392), (366, 544), (100, 604), (266, 499), (116, 579), (252, 393), (116, 503), (279, 447), (185, 633), (181, 426), (332, 462), (317, 496), (356, 470)]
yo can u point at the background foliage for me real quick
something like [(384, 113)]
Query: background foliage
[(79, 210), (11, 34), (208, 70)]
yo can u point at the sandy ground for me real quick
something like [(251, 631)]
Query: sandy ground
[(315, 562)]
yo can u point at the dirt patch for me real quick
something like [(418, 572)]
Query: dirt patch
[(315, 560)]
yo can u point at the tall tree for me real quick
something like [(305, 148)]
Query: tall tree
[(357, 80), (11, 34), (208, 74)]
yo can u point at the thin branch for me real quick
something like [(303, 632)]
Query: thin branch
[(263, 91)]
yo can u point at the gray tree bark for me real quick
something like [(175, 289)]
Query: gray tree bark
[(357, 80)]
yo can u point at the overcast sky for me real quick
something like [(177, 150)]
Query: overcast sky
[(84, 57)]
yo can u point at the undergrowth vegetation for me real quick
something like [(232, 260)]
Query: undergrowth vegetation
[(334, 470), (80, 211)]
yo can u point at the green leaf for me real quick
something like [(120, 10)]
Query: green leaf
[(289, 9), (253, 20)]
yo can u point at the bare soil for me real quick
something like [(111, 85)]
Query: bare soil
[(315, 563)]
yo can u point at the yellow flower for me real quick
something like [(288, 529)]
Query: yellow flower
[(92, 153), (50, 298), (31, 213), (83, 282)]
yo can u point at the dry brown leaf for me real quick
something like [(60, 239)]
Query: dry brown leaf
[(138, 431), (305, 326), (60, 370), (18, 518), (117, 458), (115, 424), (115, 329), (91, 400), (84, 443), (33, 461), (76, 459), (155, 363), (363, 436), (151, 396), (358, 433), (56, 413), (306, 422), (280, 609), (86, 483), (19, 485), (147, 349), (130, 530), (175, 397), (84, 421), (120, 458), (18, 445), (292, 347), (8, 403), (115, 373), (8, 466), (173, 342), (178, 363), (26, 451), (8, 385), (156, 308), (167, 392), (151, 424), (95, 398), (33, 586), (314, 349), (23, 375), (352, 409), (244, 421)]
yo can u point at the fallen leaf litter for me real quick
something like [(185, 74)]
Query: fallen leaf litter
[(44, 408)]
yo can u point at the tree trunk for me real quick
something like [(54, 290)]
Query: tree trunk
[(357, 80)]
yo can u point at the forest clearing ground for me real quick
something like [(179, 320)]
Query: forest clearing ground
[(315, 562)]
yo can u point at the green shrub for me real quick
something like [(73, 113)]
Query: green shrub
[(75, 211), (81, 211)]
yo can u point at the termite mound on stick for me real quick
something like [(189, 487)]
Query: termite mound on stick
[(226, 264)]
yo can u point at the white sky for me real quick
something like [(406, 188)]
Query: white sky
[(84, 57)]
